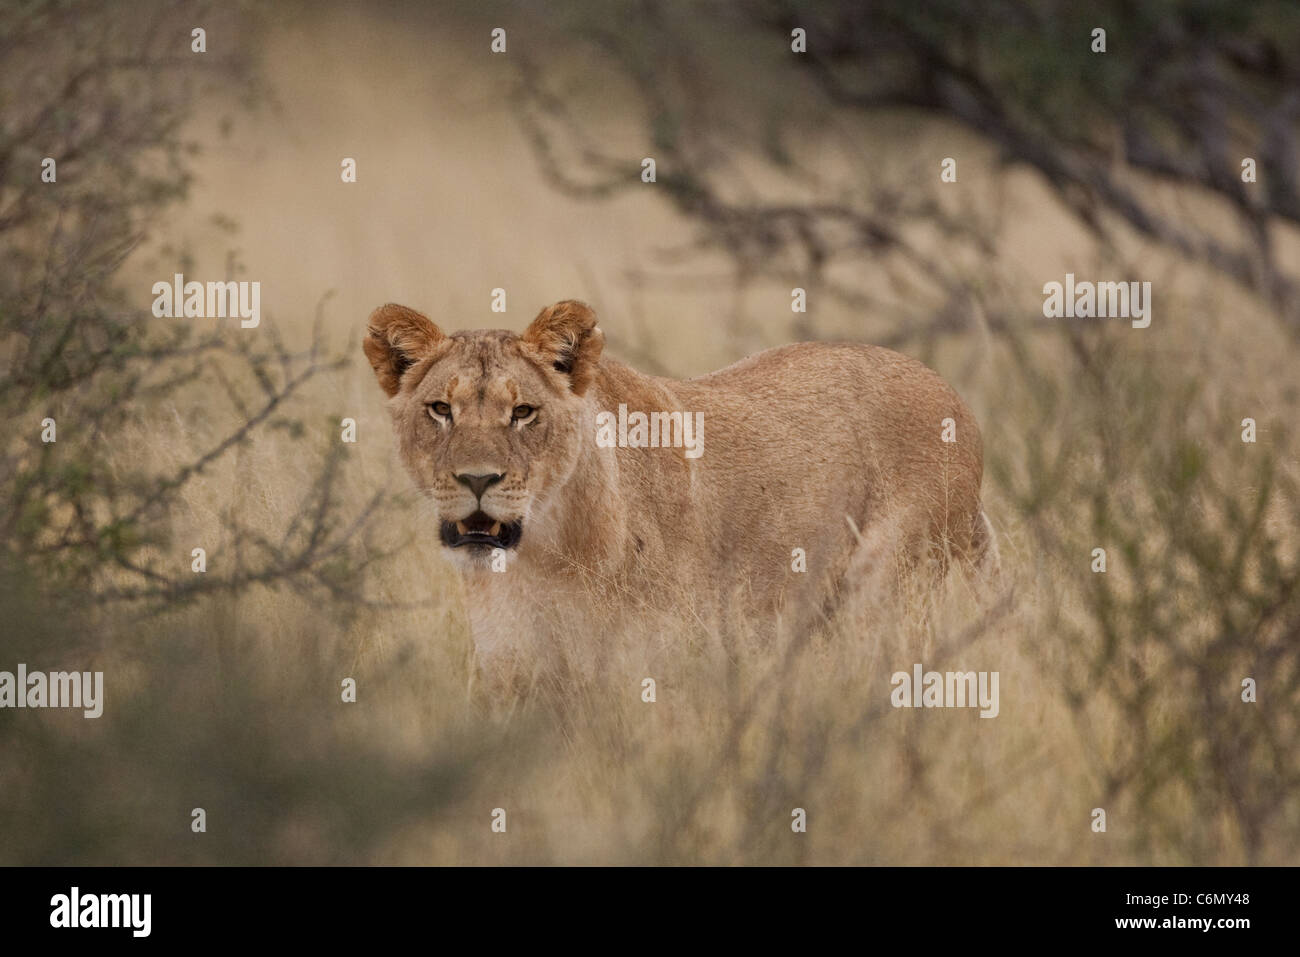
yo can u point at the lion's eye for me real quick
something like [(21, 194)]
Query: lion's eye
[(440, 409), (521, 412)]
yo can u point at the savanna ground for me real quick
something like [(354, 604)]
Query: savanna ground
[(1119, 691)]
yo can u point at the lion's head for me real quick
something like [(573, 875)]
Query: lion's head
[(489, 424)]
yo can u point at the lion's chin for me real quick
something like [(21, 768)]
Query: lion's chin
[(481, 530)]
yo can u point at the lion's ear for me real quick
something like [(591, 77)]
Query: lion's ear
[(397, 338), (566, 336)]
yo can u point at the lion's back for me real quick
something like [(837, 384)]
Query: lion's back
[(800, 438), (831, 405)]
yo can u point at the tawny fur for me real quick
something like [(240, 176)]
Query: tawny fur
[(814, 446)]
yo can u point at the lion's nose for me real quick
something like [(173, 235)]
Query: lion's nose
[(478, 484)]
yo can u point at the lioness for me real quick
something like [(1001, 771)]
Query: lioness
[(754, 491)]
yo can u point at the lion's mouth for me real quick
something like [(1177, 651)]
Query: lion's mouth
[(483, 530)]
